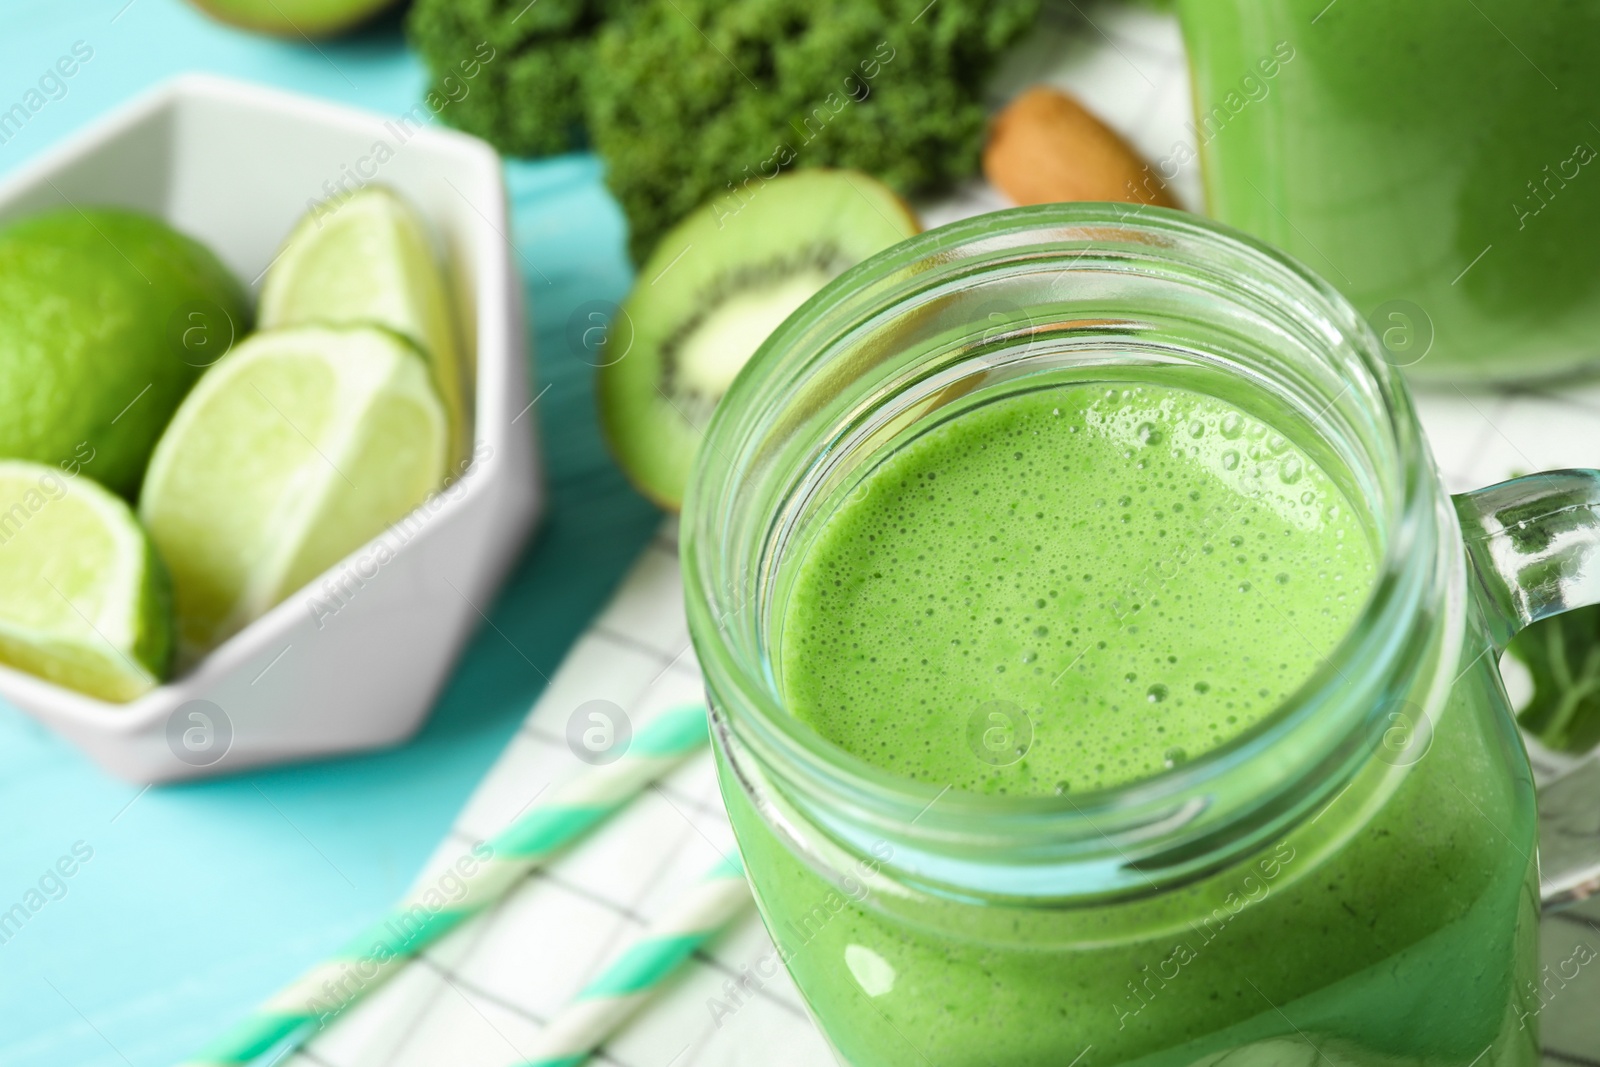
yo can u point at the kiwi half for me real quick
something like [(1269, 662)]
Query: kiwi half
[(714, 288)]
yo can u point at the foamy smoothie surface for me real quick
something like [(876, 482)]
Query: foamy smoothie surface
[(1071, 589)]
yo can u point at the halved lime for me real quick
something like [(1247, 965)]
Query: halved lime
[(83, 598), (366, 258), (294, 450)]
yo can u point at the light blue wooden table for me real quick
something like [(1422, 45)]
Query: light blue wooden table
[(199, 900)]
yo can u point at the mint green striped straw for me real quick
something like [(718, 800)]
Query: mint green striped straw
[(613, 996), (423, 916)]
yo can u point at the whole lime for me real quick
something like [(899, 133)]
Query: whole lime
[(297, 20), (107, 317)]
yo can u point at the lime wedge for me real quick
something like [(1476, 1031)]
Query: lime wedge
[(298, 447), (366, 259), (83, 598)]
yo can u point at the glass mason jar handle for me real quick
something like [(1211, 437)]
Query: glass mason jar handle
[(1533, 545)]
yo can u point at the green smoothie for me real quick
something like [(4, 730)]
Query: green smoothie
[(1143, 572), (1129, 575), (1438, 153)]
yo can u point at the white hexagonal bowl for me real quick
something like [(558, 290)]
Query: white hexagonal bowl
[(354, 660)]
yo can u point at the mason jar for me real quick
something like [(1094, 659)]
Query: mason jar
[(1353, 880), (1434, 160)]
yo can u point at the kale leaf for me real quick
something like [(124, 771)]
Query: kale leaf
[(1563, 656), (692, 99), (689, 99), (527, 100)]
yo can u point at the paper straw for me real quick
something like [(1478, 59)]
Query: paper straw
[(423, 916), (607, 1002)]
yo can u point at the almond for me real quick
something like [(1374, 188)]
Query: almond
[(1045, 148)]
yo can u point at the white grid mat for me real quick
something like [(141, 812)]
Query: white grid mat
[(478, 998), (480, 995)]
